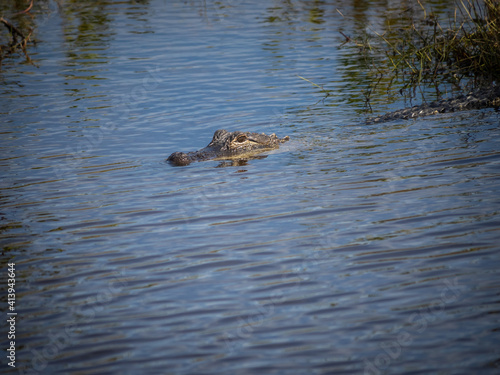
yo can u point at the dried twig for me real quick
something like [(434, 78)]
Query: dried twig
[(26, 10), (13, 30), (15, 44)]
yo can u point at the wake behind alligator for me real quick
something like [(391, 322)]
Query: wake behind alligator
[(481, 98), (229, 145)]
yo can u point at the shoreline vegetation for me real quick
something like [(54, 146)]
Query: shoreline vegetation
[(430, 53), (431, 50), (19, 36)]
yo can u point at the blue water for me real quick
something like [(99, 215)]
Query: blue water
[(353, 249)]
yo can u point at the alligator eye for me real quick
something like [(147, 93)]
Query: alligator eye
[(241, 138)]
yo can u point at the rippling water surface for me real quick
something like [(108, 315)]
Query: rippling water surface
[(353, 249)]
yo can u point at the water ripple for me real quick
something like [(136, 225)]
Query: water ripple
[(353, 248)]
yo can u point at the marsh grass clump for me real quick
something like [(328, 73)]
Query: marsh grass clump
[(18, 40), (422, 51), (14, 36)]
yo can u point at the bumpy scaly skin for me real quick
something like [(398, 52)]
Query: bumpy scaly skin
[(483, 98), (229, 144)]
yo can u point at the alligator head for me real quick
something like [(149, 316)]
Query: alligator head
[(228, 145)]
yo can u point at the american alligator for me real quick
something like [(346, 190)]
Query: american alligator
[(229, 145), (481, 98)]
